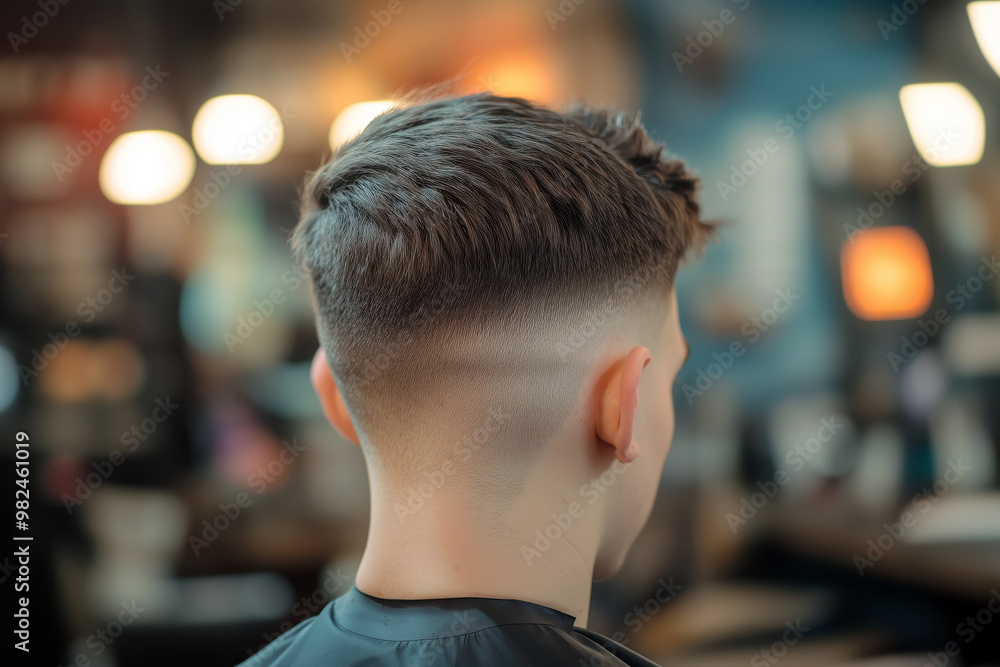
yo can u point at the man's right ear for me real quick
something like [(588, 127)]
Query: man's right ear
[(330, 398)]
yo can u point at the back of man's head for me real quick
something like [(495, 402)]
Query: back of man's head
[(468, 256)]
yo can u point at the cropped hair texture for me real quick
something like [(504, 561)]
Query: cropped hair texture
[(476, 214)]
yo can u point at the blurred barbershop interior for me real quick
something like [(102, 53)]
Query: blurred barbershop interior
[(832, 494)]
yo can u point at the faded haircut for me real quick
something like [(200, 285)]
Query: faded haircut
[(437, 238)]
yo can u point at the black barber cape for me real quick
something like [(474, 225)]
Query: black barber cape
[(358, 629)]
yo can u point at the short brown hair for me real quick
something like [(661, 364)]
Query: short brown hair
[(471, 208)]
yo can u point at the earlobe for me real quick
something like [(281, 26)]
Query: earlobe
[(330, 398), (619, 399)]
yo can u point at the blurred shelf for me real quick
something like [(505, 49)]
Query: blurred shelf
[(966, 568)]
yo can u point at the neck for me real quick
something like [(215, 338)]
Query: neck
[(446, 549)]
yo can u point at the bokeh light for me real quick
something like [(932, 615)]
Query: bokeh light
[(985, 19), (886, 274), (149, 167), (946, 123), (111, 369), (355, 118), (237, 129)]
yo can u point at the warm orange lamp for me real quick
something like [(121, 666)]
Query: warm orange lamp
[(887, 274)]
